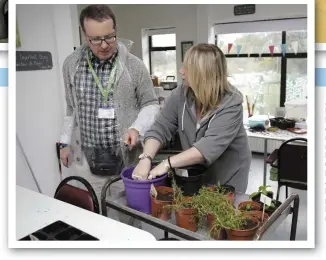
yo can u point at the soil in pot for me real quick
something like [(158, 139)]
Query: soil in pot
[(164, 197), (186, 218), (247, 232), (258, 215), (249, 206)]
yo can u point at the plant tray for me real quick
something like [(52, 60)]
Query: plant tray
[(282, 123), (60, 231)]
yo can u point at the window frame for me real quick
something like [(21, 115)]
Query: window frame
[(151, 49), (288, 55)]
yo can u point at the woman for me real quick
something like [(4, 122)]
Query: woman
[(208, 115)]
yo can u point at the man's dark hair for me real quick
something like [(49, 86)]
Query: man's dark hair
[(98, 13)]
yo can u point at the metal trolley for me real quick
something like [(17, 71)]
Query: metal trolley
[(119, 203)]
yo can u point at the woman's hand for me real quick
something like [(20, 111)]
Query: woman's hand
[(159, 170), (142, 170)]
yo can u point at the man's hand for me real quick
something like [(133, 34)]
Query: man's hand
[(64, 155), (132, 138)]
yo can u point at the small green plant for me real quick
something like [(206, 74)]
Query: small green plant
[(272, 206), (264, 189), (223, 212), (227, 217), (248, 207), (179, 201)]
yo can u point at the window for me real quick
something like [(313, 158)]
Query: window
[(162, 56), (267, 79)]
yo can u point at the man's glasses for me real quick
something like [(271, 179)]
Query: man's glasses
[(98, 41)]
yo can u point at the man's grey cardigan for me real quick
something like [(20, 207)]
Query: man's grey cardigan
[(136, 104)]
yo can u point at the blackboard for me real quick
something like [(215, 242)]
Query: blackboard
[(33, 60), (244, 9)]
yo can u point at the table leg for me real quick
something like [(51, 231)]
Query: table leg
[(265, 157)]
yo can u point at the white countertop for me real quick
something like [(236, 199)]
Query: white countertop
[(35, 211)]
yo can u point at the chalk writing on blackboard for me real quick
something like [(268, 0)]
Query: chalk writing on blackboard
[(33, 60)]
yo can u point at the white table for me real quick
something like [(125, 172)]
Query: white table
[(35, 211), (279, 135)]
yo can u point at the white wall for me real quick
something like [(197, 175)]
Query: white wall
[(40, 94)]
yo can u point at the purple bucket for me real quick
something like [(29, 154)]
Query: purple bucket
[(138, 192)]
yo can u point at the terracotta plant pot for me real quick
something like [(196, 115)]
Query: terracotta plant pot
[(247, 233), (231, 190), (186, 218), (164, 198), (228, 188), (258, 215), (249, 206), (210, 219), (218, 235)]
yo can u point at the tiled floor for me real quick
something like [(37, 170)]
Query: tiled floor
[(255, 180)]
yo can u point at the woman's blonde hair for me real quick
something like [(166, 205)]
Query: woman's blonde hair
[(206, 69)]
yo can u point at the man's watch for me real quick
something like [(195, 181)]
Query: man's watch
[(144, 156)]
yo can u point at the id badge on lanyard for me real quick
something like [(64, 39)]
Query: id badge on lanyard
[(104, 112)]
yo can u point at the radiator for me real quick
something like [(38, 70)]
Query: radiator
[(257, 145)]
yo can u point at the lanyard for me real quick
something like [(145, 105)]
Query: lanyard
[(104, 92)]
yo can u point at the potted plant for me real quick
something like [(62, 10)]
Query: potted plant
[(274, 205), (163, 197), (249, 206), (242, 227), (209, 203), (185, 213), (225, 189), (258, 215), (226, 219), (264, 189)]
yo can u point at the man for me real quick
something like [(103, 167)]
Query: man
[(110, 101)]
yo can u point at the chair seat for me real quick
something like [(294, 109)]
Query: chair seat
[(75, 196)]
